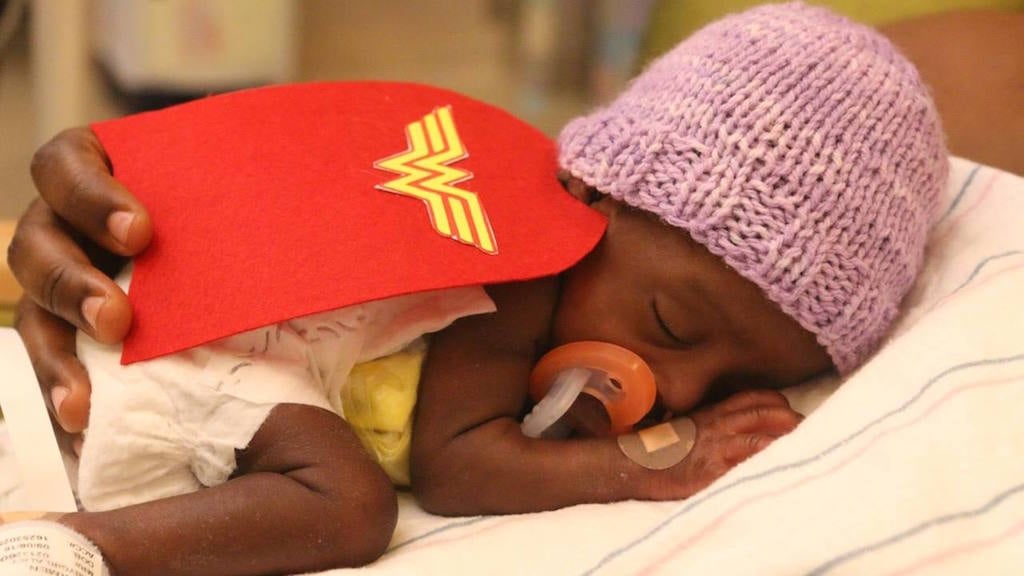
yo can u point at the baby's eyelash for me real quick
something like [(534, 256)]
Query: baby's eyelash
[(665, 327)]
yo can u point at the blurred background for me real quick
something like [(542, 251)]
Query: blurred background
[(69, 62)]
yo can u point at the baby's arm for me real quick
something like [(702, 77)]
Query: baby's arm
[(470, 457), (305, 497)]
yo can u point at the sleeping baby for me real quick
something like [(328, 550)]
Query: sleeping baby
[(767, 185)]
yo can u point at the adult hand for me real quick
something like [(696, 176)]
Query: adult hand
[(64, 249), (728, 433)]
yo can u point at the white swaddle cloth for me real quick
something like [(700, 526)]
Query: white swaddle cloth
[(172, 424)]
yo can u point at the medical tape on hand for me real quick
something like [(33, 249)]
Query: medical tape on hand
[(661, 446)]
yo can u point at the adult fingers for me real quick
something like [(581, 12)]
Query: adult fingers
[(59, 277), (73, 176), (50, 343)]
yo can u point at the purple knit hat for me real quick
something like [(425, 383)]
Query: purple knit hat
[(801, 148)]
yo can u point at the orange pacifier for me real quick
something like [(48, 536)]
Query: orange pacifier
[(581, 372)]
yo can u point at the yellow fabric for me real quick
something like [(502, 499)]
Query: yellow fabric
[(9, 289), (378, 401), (673, 20)]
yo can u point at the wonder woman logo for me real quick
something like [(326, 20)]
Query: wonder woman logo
[(427, 173)]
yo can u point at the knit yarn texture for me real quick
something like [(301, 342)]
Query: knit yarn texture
[(801, 148)]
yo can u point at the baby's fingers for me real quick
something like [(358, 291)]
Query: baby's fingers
[(751, 398), (762, 420), (739, 448)]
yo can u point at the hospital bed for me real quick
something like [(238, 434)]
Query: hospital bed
[(913, 465)]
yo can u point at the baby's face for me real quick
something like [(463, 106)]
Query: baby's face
[(704, 330)]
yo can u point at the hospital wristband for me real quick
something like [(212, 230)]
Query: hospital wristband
[(43, 547)]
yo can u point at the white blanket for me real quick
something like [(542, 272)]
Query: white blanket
[(914, 466)]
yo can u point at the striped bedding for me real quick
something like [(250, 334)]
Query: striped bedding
[(914, 465)]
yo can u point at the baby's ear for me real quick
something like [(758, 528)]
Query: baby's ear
[(577, 188)]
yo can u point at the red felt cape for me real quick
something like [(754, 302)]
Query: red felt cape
[(279, 202)]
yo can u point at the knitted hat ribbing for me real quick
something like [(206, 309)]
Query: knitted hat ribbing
[(801, 148)]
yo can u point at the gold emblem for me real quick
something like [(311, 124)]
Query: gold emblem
[(426, 173)]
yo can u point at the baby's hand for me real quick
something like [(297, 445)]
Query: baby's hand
[(728, 433)]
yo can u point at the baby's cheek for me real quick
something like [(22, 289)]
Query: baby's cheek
[(688, 379), (679, 397)]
